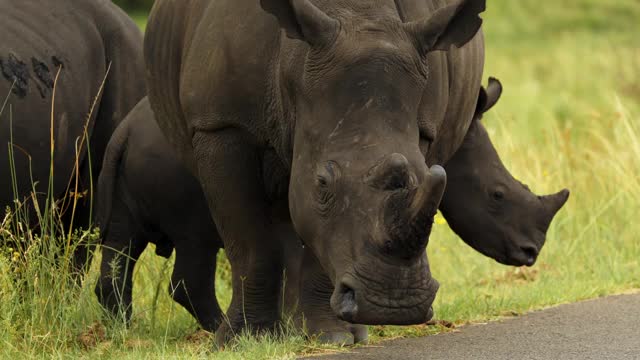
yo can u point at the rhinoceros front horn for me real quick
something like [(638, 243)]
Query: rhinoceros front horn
[(409, 213), (553, 203)]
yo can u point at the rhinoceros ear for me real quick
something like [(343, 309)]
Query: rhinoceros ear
[(455, 24), (300, 19), (493, 93), (488, 97)]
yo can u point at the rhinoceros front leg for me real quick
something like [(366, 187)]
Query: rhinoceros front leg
[(314, 303), (230, 172)]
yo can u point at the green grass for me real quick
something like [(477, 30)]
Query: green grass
[(569, 117)]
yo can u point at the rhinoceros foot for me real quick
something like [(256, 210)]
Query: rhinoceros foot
[(331, 330)]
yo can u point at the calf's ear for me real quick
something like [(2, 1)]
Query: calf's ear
[(487, 98), (493, 93), (302, 20), (455, 24)]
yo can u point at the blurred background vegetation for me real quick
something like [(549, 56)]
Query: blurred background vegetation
[(139, 5), (569, 117)]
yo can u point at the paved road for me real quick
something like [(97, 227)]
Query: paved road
[(607, 328)]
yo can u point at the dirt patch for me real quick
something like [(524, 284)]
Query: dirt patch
[(93, 336), (519, 275), (200, 337), (441, 323)]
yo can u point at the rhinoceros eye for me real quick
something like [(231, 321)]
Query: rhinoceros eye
[(321, 181), (498, 195), (325, 187)]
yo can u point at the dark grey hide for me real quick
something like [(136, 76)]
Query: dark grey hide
[(318, 116), (79, 40)]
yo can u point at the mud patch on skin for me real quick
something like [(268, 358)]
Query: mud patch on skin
[(17, 73), (57, 63), (41, 70)]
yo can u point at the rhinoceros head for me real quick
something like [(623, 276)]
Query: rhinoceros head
[(360, 194), (489, 209)]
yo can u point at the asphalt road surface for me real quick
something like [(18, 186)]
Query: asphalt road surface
[(607, 328)]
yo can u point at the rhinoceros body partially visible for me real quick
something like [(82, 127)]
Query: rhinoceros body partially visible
[(79, 42), (321, 116)]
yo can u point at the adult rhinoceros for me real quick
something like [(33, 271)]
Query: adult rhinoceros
[(77, 41), (341, 108)]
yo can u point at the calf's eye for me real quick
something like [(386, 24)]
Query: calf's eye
[(497, 195)]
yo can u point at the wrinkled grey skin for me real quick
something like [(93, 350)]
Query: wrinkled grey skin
[(329, 110), (489, 209), (78, 38)]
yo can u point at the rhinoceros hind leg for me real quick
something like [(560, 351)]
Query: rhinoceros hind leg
[(193, 281), (120, 251)]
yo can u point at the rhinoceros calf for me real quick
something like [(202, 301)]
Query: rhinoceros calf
[(77, 41), (146, 195), (489, 209), (143, 188), (301, 114)]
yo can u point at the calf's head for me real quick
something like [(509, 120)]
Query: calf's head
[(360, 194), (489, 209)]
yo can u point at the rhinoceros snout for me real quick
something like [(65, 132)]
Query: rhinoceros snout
[(530, 253), (362, 300), (523, 255)]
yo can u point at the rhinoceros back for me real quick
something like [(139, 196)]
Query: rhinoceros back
[(170, 24), (191, 61), (450, 98), (38, 39)]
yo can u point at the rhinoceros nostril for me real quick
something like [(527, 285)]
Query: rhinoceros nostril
[(348, 308), (530, 253)]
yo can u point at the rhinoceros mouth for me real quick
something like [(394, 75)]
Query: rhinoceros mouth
[(403, 299)]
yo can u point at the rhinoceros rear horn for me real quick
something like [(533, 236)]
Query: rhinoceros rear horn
[(302, 20), (552, 204), (392, 173), (455, 24), (428, 197)]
